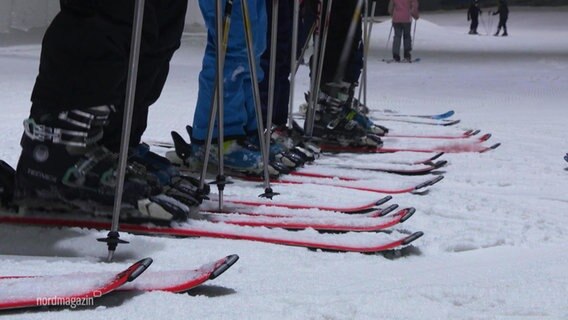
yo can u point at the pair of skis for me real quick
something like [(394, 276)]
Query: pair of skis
[(268, 222), (82, 288)]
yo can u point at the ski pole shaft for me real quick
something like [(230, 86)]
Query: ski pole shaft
[(319, 71), (255, 91), (220, 101), (414, 33), (271, 79), (214, 105), (366, 49), (113, 236), (389, 38), (308, 124), (293, 61)]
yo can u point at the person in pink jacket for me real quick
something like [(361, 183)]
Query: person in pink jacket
[(402, 12)]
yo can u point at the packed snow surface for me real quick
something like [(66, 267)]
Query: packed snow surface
[(495, 228)]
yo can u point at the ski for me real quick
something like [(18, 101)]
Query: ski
[(389, 61), (354, 224), (180, 280), (439, 116), (70, 289), (433, 122), (363, 242), (566, 157), (405, 170), (448, 148), (464, 135), (349, 183)]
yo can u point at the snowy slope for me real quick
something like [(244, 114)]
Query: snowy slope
[(496, 227)]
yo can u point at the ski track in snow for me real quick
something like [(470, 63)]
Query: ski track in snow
[(495, 227)]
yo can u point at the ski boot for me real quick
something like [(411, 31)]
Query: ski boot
[(341, 95), (63, 167)]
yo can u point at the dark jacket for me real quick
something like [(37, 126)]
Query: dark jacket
[(502, 10), (473, 12)]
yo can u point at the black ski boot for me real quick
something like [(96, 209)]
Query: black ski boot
[(337, 123), (63, 167)]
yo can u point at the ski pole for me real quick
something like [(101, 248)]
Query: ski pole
[(293, 61), (348, 43), (414, 33), (221, 180), (222, 32), (268, 192), (367, 43), (389, 38), (256, 95), (113, 237), (308, 124)]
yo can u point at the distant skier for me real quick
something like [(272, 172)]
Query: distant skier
[(402, 12), (503, 12), (473, 15)]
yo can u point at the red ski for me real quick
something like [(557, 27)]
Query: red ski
[(327, 224), (347, 183), (458, 147), (405, 170), (64, 290), (364, 242)]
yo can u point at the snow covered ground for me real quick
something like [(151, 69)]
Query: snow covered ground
[(495, 228)]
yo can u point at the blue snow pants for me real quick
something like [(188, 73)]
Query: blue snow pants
[(239, 117)]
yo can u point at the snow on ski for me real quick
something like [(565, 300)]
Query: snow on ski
[(64, 290), (312, 214), (363, 242), (321, 224), (419, 169), (302, 196), (402, 158), (454, 147), (355, 184), (180, 280)]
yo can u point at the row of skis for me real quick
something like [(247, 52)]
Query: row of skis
[(342, 202)]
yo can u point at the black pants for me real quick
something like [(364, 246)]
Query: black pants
[(337, 39), (84, 60), (474, 24), (401, 30), (502, 24), (282, 72)]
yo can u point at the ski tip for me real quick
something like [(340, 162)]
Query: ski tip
[(438, 155), (475, 132), (383, 200), (408, 212), (224, 266), (440, 164), (493, 147), (451, 123), (411, 238), (138, 268), (444, 115), (388, 210), (485, 137), (429, 183)]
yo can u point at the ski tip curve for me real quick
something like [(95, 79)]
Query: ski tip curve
[(138, 268), (406, 215), (224, 266), (411, 238)]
